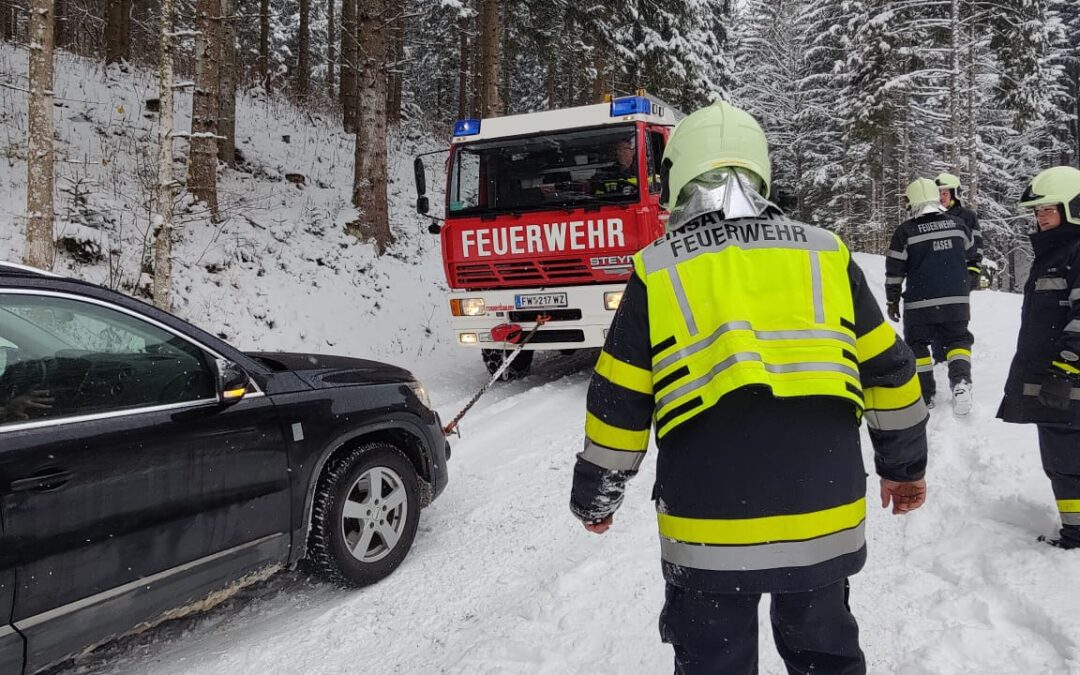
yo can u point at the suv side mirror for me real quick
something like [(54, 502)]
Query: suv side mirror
[(232, 382)]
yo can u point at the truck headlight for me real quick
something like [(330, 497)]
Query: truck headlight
[(468, 307), (421, 393), (612, 300), (468, 338)]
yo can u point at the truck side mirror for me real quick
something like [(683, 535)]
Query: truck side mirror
[(418, 172), (422, 205), (434, 228)]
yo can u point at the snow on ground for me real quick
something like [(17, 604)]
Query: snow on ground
[(503, 580)]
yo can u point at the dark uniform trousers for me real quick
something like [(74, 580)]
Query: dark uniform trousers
[(1060, 450), (952, 335), (717, 633)]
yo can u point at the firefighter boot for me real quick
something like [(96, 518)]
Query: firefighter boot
[(961, 398), (1061, 543)]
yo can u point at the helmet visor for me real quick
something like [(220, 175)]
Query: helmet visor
[(734, 192)]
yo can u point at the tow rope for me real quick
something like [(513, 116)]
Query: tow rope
[(511, 334)]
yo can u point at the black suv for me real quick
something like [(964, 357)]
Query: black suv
[(146, 465)]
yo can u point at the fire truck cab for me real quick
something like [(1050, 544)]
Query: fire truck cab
[(543, 214)]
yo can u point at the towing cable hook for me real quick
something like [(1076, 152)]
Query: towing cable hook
[(511, 334)]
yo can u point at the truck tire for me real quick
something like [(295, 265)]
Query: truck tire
[(519, 368), (364, 515)]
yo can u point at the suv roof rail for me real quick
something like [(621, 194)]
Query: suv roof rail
[(23, 270)]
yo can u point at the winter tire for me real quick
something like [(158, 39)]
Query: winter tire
[(364, 517), (519, 368)]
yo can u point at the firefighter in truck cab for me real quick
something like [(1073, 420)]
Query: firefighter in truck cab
[(753, 344)]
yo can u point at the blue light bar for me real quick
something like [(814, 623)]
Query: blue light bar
[(630, 105), (466, 127)]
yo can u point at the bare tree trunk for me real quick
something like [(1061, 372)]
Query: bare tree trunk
[(972, 123), (202, 164), (955, 109), (59, 23), (5, 20), (490, 56), (264, 44), (330, 54), (463, 68), (349, 48), (40, 244), (508, 55), (369, 183), (125, 29), (394, 78), (476, 107), (303, 60), (229, 66), (162, 216), (115, 37)]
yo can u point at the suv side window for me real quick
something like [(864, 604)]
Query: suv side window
[(654, 150), (63, 357)]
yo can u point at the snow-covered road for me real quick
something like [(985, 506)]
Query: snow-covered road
[(503, 580)]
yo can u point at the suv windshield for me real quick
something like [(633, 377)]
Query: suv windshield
[(556, 170)]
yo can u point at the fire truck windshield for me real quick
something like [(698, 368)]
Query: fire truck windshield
[(556, 170)]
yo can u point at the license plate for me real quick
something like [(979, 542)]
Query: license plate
[(540, 301)]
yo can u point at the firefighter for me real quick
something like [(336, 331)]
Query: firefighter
[(930, 253), (949, 194), (755, 344), (1043, 387), (621, 177)]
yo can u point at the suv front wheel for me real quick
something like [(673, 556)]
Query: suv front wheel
[(367, 505)]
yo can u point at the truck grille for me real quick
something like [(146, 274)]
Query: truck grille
[(549, 336), (529, 315), (550, 272)]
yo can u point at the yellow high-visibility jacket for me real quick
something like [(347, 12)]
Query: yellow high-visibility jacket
[(753, 347)]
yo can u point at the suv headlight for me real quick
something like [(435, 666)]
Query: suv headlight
[(421, 393), (468, 307), (612, 300)]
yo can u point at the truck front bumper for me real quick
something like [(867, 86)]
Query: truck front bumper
[(581, 324)]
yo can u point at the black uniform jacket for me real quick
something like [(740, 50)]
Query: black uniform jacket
[(754, 456), (971, 220), (1049, 325), (929, 255)]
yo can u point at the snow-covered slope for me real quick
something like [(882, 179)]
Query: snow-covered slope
[(503, 580), (279, 272)]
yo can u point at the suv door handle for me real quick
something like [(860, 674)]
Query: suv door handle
[(50, 479)]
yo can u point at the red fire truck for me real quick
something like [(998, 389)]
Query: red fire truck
[(543, 213)]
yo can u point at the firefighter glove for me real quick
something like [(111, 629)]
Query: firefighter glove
[(1056, 391), (975, 279), (893, 309)]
